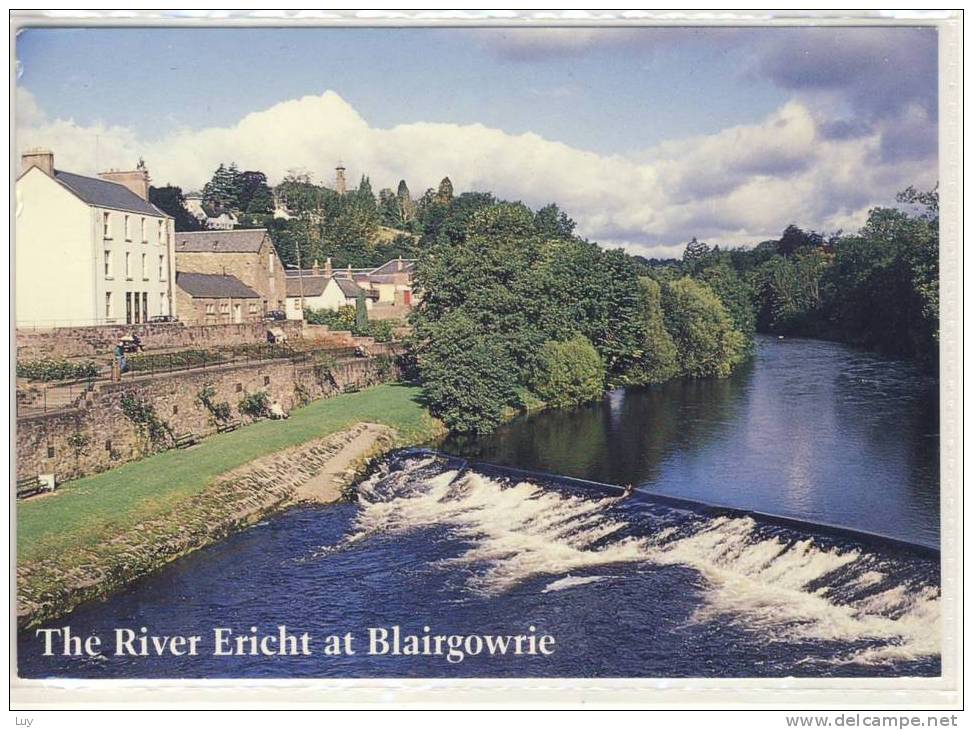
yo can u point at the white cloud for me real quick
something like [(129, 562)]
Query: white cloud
[(741, 185)]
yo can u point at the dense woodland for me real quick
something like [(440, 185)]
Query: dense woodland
[(519, 310)]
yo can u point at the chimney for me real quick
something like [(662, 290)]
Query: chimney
[(399, 265), (327, 267), (340, 185), (38, 157), (136, 180), (314, 269)]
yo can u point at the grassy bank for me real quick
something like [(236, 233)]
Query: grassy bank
[(86, 512)]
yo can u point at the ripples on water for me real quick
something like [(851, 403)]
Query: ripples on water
[(628, 588)]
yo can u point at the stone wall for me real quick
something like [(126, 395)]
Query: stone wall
[(91, 341), (97, 435)]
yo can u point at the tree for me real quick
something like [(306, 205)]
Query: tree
[(568, 372), (695, 253), (660, 360), (552, 222), (468, 375), (170, 200), (361, 312), (407, 207), (702, 331)]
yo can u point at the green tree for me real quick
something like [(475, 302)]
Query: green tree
[(660, 359), (445, 193), (169, 199), (568, 372), (701, 329)]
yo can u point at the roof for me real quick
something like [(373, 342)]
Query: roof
[(213, 286), (312, 286), (105, 194), (395, 266), (245, 240), (350, 289)]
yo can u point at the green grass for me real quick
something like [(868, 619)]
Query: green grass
[(85, 512)]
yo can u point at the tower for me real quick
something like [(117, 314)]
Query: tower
[(339, 179)]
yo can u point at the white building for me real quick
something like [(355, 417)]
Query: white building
[(322, 292), (89, 250)]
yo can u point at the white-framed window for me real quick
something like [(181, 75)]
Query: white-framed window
[(145, 232), (128, 265), (106, 224), (107, 264), (253, 307), (162, 267), (224, 307), (162, 232), (162, 302), (107, 305), (210, 309), (128, 228), (145, 266)]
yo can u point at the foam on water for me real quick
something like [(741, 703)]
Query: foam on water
[(784, 585)]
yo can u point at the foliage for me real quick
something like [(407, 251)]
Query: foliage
[(255, 405), (170, 200), (79, 442), (143, 415), (346, 318), (50, 369), (568, 372), (469, 376), (706, 342), (168, 360), (660, 360), (220, 411)]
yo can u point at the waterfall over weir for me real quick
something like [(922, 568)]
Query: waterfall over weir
[(787, 581)]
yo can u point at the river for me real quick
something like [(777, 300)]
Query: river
[(816, 432)]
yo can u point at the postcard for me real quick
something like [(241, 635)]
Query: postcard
[(554, 361)]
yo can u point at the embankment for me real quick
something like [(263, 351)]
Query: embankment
[(318, 470)]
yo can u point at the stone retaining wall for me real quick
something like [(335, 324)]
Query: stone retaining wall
[(97, 435)]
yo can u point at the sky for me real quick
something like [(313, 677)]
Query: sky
[(647, 137)]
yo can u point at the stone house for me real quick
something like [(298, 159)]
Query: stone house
[(247, 254), (89, 250), (216, 299)]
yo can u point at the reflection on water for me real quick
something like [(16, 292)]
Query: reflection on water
[(809, 429)]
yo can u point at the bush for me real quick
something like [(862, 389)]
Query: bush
[(49, 369), (255, 405), (166, 360), (701, 329), (346, 318), (568, 372)]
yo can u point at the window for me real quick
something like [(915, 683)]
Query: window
[(162, 268), (107, 264), (145, 232), (138, 308), (128, 228), (128, 265), (162, 232), (145, 306), (128, 307), (106, 224), (224, 307), (210, 309), (145, 267), (107, 305), (270, 262), (253, 307), (162, 302)]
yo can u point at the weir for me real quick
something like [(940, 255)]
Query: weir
[(863, 537)]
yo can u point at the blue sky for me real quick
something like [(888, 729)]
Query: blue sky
[(701, 122)]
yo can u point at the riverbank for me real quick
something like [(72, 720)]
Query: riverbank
[(98, 534)]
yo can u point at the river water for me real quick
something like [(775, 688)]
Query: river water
[(811, 431)]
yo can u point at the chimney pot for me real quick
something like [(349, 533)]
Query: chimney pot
[(136, 180)]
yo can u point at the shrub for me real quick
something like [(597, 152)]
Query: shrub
[(220, 411), (50, 369), (143, 415), (255, 405), (166, 360), (568, 372)]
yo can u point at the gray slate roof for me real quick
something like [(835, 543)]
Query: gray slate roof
[(244, 240), (313, 285), (105, 194), (213, 286)]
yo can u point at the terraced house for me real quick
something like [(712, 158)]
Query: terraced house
[(247, 255), (96, 241)]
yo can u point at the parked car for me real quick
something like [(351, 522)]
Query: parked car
[(160, 318), (275, 315)]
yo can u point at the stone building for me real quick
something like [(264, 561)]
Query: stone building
[(89, 251), (247, 254), (216, 299)]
